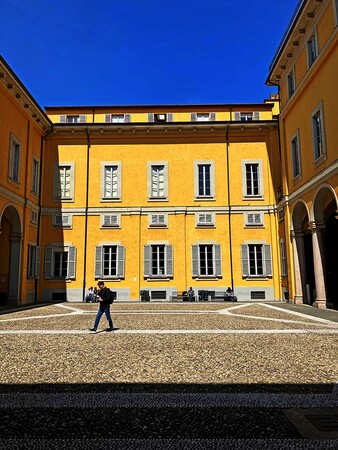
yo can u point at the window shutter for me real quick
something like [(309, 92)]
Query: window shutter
[(37, 262), (98, 261), (212, 117), (48, 262), (267, 260), (218, 261), (170, 117), (255, 115), (237, 116), (195, 260), (193, 117), (121, 250), (147, 249), (150, 117), (127, 118), (245, 260), (107, 118), (63, 118), (82, 118), (169, 249), (71, 262)]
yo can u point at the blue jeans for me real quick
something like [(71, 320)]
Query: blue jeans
[(99, 314)]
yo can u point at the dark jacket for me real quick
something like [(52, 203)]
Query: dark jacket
[(103, 293)]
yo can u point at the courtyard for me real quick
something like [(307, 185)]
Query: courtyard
[(171, 375)]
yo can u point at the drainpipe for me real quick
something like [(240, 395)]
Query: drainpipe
[(43, 139), (229, 204), (86, 219)]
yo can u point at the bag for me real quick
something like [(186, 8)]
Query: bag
[(110, 296)]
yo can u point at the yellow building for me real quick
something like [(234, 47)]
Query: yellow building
[(305, 69), (23, 126), (158, 199)]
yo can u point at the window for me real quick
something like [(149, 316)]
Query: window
[(256, 260), (160, 117), (246, 116), (110, 181), (117, 118), (295, 156), (60, 262), (33, 265), (158, 220), (311, 50), (157, 180), (34, 216), (35, 177), (62, 220), (283, 258), (203, 117), (205, 220), (75, 118), (64, 181), (158, 261), (252, 182), (110, 221), (291, 83), (253, 219), (206, 260), (14, 160), (204, 180), (318, 133), (109, 261)]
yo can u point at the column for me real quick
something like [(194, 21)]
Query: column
[(317, 230), (297, 238)]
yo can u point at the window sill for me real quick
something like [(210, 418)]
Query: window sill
[(158, 199), (253, 197), (254, 226), (257, 278), (64, 200), (319, 160), (117, 279), (212, 225), (201, 278), (164, 278), (111, 200), (296, 179), (205, 198)]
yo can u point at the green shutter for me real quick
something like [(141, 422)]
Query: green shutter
[(71, 262), (245, 260), (218, 261), (267, 260), (147, 249), (195, 260), (37, 262), (48, 273), (121, 250), (170, 271), (98, 261)]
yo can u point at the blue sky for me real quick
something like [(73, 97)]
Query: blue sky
[(111, 52)]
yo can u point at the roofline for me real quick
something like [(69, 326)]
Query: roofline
[(290, 27), (166, 106), (27, 93)]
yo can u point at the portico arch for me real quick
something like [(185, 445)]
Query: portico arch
[(10, 244)]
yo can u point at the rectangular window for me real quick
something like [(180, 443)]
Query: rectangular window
[(252, 180), (291, 83), (14, 160), (253, 220), (204, 180), (206, 260), (158, 261), (205, 220), (318, 134), (111, 182), (311, 50), (295, 155), (109, 261), (64, 182), (158, 220), (283, 258), (33, 265), (73, 118), (157, 181), (203, 117), (60, 262), (256, 260), (110, 220), (35, 177)]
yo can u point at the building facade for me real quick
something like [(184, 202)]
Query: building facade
[(305, 69)]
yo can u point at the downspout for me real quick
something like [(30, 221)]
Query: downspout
[(43, 139), (86, 219), (139, 253), (229, 205)]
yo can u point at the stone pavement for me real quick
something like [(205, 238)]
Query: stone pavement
[(171, 376)]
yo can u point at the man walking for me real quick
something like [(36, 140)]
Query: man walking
[(104, 307)]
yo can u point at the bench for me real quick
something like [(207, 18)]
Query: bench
[(180, 296), (223, 295)]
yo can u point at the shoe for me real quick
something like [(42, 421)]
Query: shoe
[(92, 329), (109, 329)]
